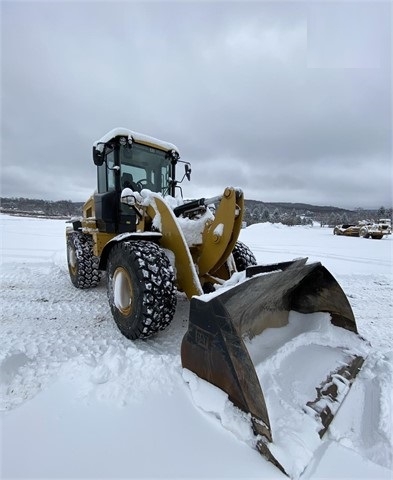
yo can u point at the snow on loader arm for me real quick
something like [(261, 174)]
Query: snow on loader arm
[(263, 343)]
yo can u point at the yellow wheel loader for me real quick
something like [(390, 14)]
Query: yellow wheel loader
[(151, 244)]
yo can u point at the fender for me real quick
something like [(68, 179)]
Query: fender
[(147, 236)]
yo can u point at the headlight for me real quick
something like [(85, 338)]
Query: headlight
[(128, 196)]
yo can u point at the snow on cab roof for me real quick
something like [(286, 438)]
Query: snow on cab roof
[(138, 137)]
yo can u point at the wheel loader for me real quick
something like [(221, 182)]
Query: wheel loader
[(151, 243)]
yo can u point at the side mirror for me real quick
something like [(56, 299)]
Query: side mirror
[(187, 169), (98, 157)]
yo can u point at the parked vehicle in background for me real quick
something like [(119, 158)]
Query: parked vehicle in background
[(350, 230), (365, 229), (377, 230)]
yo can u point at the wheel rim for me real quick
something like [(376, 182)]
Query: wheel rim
[(122, 291), (72, 260)]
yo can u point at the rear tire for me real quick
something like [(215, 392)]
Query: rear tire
[(82, 264), (243, 256), (141, 288)]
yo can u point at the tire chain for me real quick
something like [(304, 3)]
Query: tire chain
[(155, 272)]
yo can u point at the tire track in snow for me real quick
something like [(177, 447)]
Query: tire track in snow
[(318, 254), (373, 312), (50, 329)]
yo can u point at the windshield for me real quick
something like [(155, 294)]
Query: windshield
[(144, 167)]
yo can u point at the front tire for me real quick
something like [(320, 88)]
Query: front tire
[(82, 264), (141, 288), (364, 232)]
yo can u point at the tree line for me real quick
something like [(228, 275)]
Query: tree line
[(303, 214), (44, 208), (255, 211)]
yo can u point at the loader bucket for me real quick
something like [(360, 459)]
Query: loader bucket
[(263, 343)]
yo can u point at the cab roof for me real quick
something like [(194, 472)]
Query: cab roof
[(137, 137)]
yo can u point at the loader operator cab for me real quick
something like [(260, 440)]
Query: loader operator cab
[(125, 159)]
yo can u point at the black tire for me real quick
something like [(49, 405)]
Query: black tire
[(82, 264), (141, 288), (243, 257)]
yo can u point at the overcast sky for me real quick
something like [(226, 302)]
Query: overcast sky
[(291, 101)]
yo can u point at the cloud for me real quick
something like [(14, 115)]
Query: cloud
[(258, 93)]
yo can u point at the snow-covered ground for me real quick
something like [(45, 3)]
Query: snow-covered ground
[(78, 400)]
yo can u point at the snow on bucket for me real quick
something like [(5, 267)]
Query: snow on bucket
[(283, 345)]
